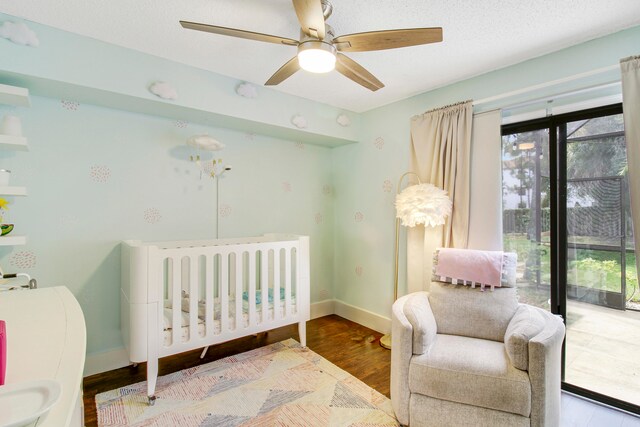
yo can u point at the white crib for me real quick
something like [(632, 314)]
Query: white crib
[(180, 296)]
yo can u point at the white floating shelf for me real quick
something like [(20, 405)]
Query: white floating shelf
[(13, 191), (15, 143), (13, 95), (11, 240)]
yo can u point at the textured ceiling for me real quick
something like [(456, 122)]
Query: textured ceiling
[(479, 36)]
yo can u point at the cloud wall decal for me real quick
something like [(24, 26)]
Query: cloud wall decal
[(247, 90), (343, 120), (205, 142), (164, 90), (19, 33), (299, 121)]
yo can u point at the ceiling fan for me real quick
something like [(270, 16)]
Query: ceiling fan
[(319, 51)]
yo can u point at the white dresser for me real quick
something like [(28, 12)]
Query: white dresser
[(47, 339)]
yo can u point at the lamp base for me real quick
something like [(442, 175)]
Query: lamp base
[(385, 341)]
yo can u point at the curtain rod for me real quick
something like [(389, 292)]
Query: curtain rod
[(562, 95), (455, 104), (546, 85)]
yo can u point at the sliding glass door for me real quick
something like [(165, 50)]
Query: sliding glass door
[(566, 214)]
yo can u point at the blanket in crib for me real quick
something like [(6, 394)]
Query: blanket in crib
[(217, 309)]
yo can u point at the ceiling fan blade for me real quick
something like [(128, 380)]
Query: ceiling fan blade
[(356, 72), (238, 33), (286, 71), (387, 39), (311, 17)]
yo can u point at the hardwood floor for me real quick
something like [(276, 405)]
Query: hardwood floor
[(348, 345)]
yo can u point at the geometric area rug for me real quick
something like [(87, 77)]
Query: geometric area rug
[(281, 384)]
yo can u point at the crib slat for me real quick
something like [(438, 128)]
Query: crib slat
[(208, 292), (224, 292), (276, 283), (194, 296), (287, 281), (296, 279), (176, 302), (264, 283), (252, 288), (238, 291)]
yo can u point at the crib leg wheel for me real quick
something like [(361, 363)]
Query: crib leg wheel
[(152, 400), (134, 365)]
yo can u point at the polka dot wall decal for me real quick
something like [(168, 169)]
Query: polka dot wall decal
[(181, 124), (379, 143), (99, 173), (358, 216), (318, 218), (286, 186), (299, 145), (386, 186), (225, 211), (327, 190), (250, 136), (69, 105), (152, 216), (359, 270), (23, 259)]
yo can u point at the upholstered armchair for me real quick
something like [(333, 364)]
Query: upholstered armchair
[(467, 357)]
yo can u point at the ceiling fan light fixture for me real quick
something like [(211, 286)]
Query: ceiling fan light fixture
[(316, 56)]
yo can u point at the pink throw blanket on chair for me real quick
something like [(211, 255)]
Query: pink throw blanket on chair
[(468, 265)]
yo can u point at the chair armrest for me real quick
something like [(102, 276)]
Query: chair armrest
[(528, 322), (545, 362), (413, 331), (401, 352), (418, 312)]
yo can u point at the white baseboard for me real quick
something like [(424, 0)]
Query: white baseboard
[(322, 308), (102, 362), (364, 317)]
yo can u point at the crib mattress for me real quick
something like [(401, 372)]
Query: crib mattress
[(184, 333)]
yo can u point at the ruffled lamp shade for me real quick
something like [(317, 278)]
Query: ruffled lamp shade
[(423, 204)]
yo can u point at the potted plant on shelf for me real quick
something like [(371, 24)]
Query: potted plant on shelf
[(4, 228)]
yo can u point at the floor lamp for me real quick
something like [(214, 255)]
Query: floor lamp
[(416, 204)]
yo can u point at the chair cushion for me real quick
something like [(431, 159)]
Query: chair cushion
[(526, 324), (471, 371), (461, 310)]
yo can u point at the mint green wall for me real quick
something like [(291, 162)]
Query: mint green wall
[(74, 221), (364, 249)]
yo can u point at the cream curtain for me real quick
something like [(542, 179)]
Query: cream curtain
[(440, 155), (631, 105), (485, 213)]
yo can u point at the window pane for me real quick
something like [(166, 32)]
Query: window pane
[(525, 199)]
